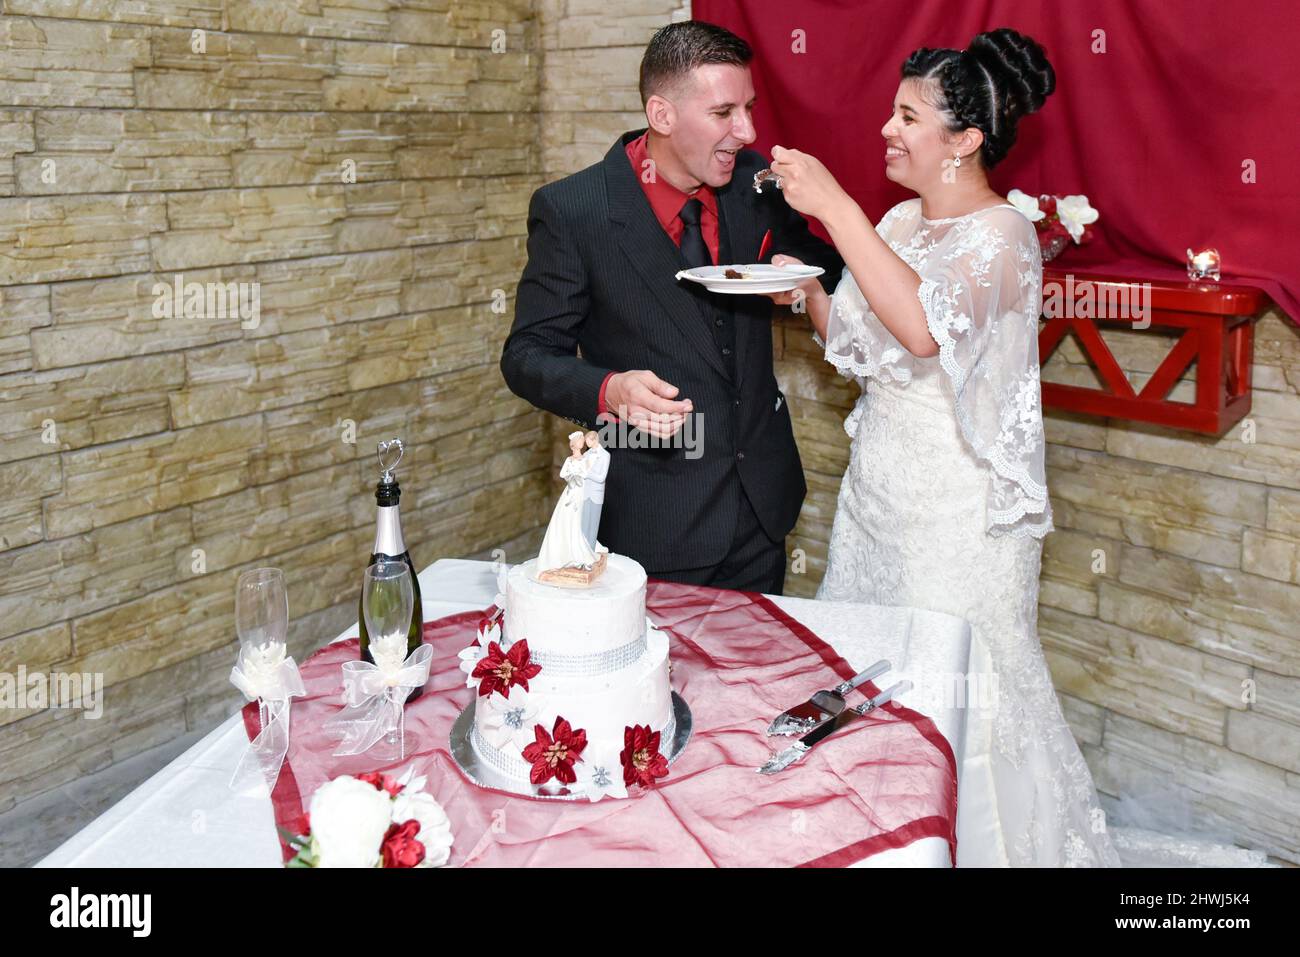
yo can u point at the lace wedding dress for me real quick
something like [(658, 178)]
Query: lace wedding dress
[(944, 505)]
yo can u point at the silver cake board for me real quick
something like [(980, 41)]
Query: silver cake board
[(479, 772)]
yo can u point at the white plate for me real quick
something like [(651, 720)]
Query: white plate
[(762, 278)]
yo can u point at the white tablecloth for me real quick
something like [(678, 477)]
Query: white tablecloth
[(187, 816)]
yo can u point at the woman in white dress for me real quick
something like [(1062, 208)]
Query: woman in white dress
[(564, 544), (944, 503)]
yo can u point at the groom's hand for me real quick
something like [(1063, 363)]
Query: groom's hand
[(642, 399)]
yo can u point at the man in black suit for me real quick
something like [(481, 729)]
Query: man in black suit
[(604, 247)]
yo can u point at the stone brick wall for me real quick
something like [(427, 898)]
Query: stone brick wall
[(368, 164), (589, 94)]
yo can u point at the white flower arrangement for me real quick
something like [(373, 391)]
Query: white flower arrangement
[(1056, 217), (374, 820)]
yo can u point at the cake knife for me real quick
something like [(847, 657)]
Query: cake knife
[(822, 706), (783, 759)]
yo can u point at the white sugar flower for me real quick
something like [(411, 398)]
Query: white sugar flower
[(600, 776), (469, 659), (349, 819), (1026, 204), (492, 632), (509, 720), (1075, 213)]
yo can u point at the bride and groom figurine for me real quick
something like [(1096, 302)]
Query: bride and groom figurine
[(571, 556)]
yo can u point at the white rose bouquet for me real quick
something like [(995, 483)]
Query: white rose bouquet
[(373, 820)]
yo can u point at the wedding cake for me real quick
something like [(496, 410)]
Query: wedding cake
[(573, 686)]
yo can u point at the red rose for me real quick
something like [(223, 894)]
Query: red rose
[(502, 670), (400, 848), (642, 762), (381, 782), (553, 755), (1047, 204)]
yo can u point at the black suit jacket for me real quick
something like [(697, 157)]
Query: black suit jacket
[(601, 279)]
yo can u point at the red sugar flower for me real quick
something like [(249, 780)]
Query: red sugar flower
[(642, 762), (400, 848), (502, 670), (553, 755)]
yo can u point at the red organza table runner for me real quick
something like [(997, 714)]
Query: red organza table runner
[(884, 781)]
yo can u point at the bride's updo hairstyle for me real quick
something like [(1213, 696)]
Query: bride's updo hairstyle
[(1002, 76)]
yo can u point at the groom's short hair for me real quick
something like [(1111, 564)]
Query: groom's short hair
[(677, 49)]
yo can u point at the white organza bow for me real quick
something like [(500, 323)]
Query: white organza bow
[(375, 695), (265, 673)]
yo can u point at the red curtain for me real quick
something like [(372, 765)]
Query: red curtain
[(1157, 130)]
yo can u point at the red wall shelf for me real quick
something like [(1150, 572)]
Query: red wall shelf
[(1217, 320)]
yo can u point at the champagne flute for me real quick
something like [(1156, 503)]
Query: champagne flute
[(262, 620), (387, 603)]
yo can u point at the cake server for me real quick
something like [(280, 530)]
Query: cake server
[(822, 706), (783, 759)]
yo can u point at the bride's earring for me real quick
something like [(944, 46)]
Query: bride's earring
[(956, 159)]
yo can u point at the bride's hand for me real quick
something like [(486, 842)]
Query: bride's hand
[(808, 186)]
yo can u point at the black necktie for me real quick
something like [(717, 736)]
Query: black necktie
[(693, 249)]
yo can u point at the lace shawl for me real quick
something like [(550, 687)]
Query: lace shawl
[(981, 291)]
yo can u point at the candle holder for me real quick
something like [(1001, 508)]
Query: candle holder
[(1203, 265)]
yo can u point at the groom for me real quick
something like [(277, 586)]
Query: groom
[(604, 246)]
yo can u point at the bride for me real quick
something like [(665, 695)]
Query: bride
[(564, 544), (944, 503)]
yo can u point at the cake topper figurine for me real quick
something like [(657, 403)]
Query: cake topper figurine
[(568, 558), (593, 488)]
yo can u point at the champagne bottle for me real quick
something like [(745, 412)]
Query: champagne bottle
[(390, 546)]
